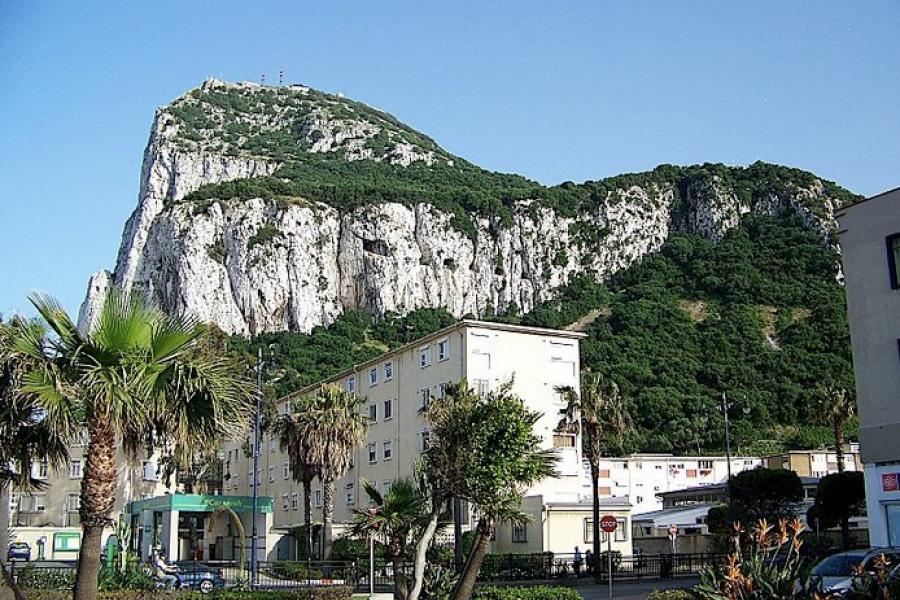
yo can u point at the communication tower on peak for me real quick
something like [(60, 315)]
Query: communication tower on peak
[(281, 78), (262, 79)]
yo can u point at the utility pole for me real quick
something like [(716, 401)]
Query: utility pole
[(255, 477)]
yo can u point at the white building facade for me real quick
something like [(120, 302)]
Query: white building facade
[(397, 385), (641, 477)]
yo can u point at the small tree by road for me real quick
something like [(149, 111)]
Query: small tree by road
[(839, 497)]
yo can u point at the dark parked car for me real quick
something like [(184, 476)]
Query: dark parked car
[(834, 575), (19, 551), (198, 576)]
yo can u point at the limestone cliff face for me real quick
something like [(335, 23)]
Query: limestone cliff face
[(264, 264)]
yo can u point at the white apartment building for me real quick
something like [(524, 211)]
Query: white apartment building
[(396, 386), (869, 233), (642, 477)]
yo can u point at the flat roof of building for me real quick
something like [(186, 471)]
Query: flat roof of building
[(721, 487), (842, 209), (526, 329)]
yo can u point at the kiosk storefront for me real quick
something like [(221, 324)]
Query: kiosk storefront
[(198, 526)]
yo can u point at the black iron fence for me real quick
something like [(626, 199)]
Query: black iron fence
[(210, 575)]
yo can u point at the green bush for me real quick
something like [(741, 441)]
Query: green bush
[(46, 579), (672, 595), (295, 570), (540, 592)]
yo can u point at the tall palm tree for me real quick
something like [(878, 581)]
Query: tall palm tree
[(839, 405), (137, 380), (339, 429), (295, 436), (601, 415), (393, 517), (28, 432)]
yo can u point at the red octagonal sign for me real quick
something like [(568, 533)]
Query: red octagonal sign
[(608, 523)]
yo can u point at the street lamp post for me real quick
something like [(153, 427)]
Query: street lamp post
[(255, 478)]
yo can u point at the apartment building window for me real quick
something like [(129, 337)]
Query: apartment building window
[(426, 397), (285, 503), (443, 349), (73, 502), (482, 386), (388, 410), (286, 467), (388, 450), (893, 255), (639, 499), (318, 498), (425, 356), (388, 371), (704, 464), (519, 532), (148, 469), (271, 474), (373, 377), (386, 486), (588, 530), (621, 534), (33, 503), (349, 492), (425, 439), (75, 469), (14, 499), (373, 412), (373, 453), (351, 384), (295, 501), (40, 470), (563, 440)]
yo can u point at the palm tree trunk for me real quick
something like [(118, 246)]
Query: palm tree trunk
[(327, 517), (307, 518), (4, 518), (422, 550), (98, 496), (839, 444), (400, 585), (839, 457), (465, 587), (595, 513)]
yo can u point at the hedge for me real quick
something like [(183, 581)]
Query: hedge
[(539, 592), (325, 593), (685, 594)]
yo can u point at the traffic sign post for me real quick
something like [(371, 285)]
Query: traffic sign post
[(608, 524)]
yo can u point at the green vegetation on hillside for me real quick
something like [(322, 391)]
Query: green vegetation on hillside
[(759, 315), (465, 190)]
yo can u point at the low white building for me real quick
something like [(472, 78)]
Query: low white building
[(642, 477)]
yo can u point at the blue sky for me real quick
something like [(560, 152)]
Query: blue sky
[(555, 91)]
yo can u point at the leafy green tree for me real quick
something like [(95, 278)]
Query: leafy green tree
[(840, 496), (600, 414), (393, 517), (484, 451), (769, 494), (134, 376)]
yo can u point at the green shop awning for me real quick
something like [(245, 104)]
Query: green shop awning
[(201, 503)]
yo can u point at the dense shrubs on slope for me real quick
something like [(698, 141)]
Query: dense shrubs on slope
[(464, 190)]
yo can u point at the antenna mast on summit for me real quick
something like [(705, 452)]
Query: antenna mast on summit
[(281, 77), (262, 79)]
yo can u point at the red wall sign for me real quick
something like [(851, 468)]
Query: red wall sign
[(890, 482)]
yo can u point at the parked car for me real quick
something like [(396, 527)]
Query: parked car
[(19, 551), (198, 576), (834, 575)]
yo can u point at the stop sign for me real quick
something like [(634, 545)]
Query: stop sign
[(608, 523)]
